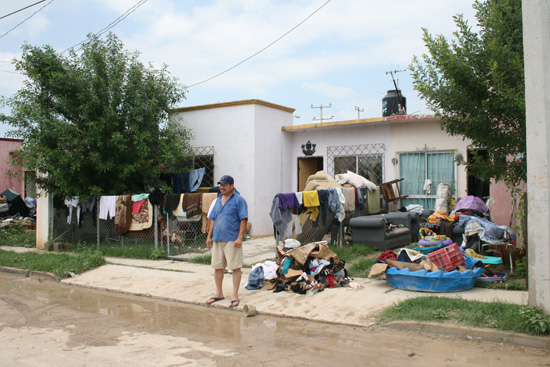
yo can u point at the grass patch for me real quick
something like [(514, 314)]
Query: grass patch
[(353, 252), (130, 252), (361, 267), (16, 235), (61, 265), (201, 259), (494, 315), (359, 259)]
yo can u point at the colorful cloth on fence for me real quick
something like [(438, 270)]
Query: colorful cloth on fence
[(123, 216), (288, 201), (311, 203), (349, 195), (144, 219), (192, 204)]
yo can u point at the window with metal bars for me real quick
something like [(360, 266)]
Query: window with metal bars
[(422, 172), (366, 160), (204, 157)]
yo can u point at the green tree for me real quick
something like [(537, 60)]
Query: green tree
[(475, 83), (96, 122)]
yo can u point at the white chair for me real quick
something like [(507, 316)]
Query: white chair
[(506, 243)]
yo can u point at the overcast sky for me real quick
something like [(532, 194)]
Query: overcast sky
[(339, 56)]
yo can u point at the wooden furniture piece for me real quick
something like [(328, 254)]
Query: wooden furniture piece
[(391, 190)]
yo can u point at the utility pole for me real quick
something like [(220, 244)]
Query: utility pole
[(321, 108), (359, 110)]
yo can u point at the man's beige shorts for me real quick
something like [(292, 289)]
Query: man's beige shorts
[(226, 255)]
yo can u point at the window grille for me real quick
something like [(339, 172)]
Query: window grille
[(366, 160)]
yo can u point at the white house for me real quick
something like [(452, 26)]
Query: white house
[(256, 142)]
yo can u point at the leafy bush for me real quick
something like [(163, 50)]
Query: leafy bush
[(521, 268), (157, 254), (534, 321)]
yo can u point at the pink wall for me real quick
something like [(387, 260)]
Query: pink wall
[(9, 182), (503, 203)]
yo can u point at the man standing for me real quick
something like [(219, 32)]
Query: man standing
[(225, 237)]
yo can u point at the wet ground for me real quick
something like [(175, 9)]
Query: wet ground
[(44, 323)]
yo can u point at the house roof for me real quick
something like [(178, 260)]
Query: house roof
[(235, 103), (360, 122)]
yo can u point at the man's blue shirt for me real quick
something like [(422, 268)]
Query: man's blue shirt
[(228, 217)]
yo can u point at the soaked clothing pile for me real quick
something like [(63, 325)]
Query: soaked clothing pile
[(303, 269)]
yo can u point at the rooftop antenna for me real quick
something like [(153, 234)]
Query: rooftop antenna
[(359, 110), (321, 108), (392, 72)]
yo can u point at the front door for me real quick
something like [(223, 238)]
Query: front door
[(308, 166)]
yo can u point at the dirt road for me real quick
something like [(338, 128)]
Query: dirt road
[(43, 323)]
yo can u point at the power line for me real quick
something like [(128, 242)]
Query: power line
[(262, 50), (11, 72), (26, 7), (29, 17), (115, 22)]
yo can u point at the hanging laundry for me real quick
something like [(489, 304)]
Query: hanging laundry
[(171, 202), (107, 207), (123, 216), (192, 204), (288, 201), (72, 203), (311, 203)]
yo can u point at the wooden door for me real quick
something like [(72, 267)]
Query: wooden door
[(307, 167)]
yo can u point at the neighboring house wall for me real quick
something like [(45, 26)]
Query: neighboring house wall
[(7, 147), (247, 140)]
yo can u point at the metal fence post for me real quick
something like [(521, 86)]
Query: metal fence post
[(155, 214), (341, 235), (52, 217), (97, 221), (168, 233)]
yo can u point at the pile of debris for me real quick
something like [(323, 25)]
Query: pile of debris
[(14, 209)]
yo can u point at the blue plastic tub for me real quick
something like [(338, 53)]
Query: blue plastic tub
[(435, 281)]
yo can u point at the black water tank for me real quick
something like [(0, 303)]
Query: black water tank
[(394, 103)]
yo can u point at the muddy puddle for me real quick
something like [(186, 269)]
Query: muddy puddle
[(89, 327)]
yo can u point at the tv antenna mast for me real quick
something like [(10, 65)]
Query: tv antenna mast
[(392, 72)]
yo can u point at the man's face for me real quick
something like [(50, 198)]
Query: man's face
[(226, 189)]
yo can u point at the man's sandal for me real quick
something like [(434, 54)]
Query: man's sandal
[(214, 299), (234, 303)]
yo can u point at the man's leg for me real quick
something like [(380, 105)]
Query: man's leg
[(236, 284), (218, 278)]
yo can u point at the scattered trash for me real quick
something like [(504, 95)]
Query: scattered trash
[(249, 310)]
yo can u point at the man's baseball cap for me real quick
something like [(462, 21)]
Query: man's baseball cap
[(226, 180)]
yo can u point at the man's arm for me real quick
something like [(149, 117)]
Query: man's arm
[(210, 232), (242, 231)]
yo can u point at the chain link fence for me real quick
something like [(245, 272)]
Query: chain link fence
[(82, 227)]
